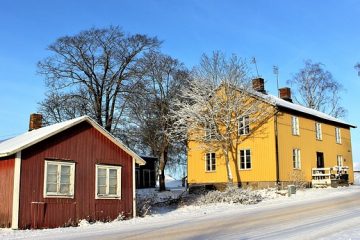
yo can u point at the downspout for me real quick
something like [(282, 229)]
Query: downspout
[(16, 192), (134, 186), (277, 148)]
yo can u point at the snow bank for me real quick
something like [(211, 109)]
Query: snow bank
[(236, 195)]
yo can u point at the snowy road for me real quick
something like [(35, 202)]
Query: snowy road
[(313, 214), (310, 220)]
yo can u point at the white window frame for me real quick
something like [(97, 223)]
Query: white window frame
[(318, 131), (340, 160), (244, 125), (118, 190), (295, 128), (212, 162), (247, 158), (338, 135), (57, 194), (296, 158), (210, 131)]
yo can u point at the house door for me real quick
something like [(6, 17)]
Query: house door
[(320, 160)]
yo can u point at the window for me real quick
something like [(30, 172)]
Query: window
[(59, 179), (108, 181), (318, 131), (296, 159), (244, 128), (137, 175), (340, 160), (146, 178), (210, 131), (210, 162), (245, 159), (338, 135), (295, 125)]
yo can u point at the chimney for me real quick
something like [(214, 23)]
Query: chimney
[(285, 93), (258, 85), (35, 121)]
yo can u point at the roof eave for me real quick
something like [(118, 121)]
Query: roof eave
[(328, 120), (117, 142)]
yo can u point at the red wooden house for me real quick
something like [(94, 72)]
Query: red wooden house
[(57, 175)]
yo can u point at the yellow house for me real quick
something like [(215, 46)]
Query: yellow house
[(295, 144)]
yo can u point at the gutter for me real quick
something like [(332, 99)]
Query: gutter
[(277, 147)]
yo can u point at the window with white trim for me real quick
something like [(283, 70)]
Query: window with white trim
[(108, 181), (340, 160), (210, 131), (296, 158), (245, 159), (338, 135), (59, 179), (295, 125), (318, 131), (210, 162), (244, 128)]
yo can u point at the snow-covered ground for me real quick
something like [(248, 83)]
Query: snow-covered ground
[(188, 214), (357, 178), (171, 182)]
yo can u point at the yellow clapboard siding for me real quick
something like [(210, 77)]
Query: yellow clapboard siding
[(309, 145), (262, 145), (263, 152)]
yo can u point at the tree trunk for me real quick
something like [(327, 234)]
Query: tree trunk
[(162, 164), (228, 169)]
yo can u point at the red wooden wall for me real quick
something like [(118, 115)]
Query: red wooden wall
[(7, 184), (87, 147)]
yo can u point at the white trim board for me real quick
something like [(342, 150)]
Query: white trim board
[(16, 192)]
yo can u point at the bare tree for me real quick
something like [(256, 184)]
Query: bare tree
[(95, 68), (317, 89), (160, 80), (357, 68), (219, 109)]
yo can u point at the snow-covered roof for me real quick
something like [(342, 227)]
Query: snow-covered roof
[(25, 140), (301, 109)]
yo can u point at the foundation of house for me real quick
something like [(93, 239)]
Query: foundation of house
[(193, 187)]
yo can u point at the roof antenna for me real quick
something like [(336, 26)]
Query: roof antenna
[(276, 72), (253, 61)]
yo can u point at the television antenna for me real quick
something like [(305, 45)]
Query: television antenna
[(276, 72)]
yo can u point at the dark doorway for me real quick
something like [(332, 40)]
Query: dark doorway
[(320, 160)]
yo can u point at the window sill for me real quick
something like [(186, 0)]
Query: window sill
[(210, 171), (299, 169), (108, 197), (59, 196), (247, 169), (247, 134)]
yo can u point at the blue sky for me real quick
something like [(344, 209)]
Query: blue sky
[(277, 32)]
